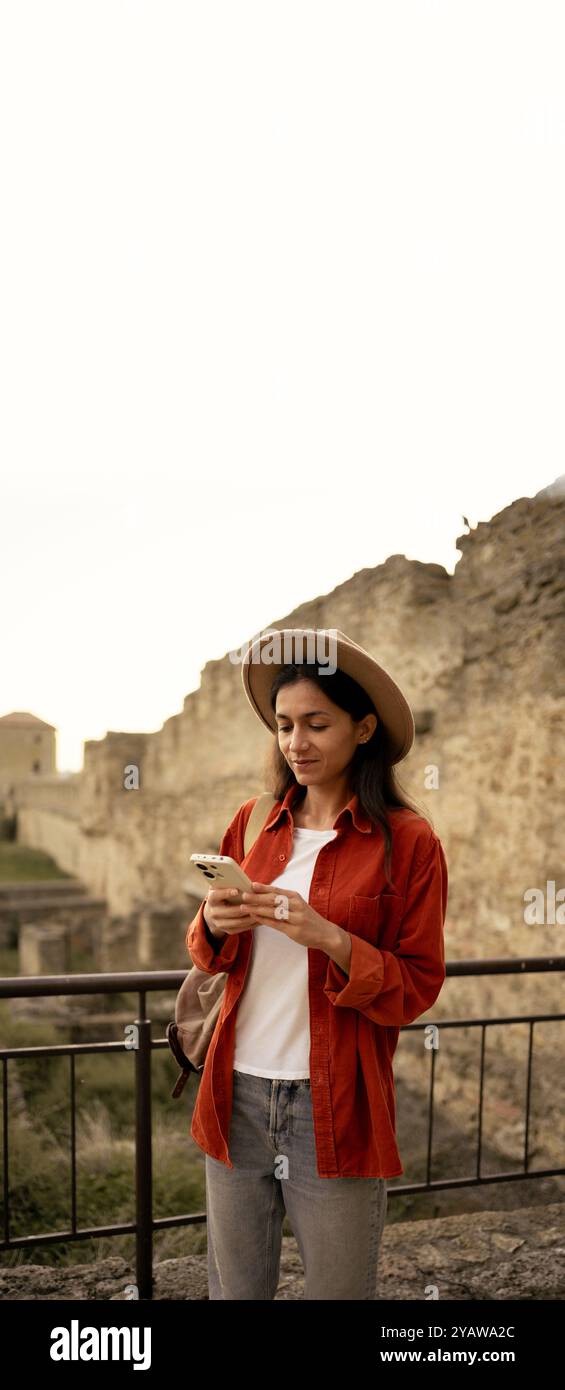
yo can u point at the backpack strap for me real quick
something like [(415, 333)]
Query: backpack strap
[(258, 818)]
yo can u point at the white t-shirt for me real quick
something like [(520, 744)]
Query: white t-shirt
[(272, 1029)]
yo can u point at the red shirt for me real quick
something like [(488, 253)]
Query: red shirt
[(396, 972)]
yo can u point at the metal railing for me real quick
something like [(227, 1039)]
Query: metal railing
[(144, 982)]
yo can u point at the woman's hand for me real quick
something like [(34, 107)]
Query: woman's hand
[(290, 913), (222, 915)]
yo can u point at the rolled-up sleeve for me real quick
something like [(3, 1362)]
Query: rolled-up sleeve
[(394, 987), (214, 954)]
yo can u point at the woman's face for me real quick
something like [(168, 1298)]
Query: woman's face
[(313, 729)]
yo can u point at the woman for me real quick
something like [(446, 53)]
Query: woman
[(339, 944)]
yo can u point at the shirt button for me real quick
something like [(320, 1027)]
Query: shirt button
[(282, 856)]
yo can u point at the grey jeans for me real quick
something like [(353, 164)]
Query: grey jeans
[(337, 1222)]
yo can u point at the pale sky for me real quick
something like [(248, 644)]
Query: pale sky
[(282, 293)]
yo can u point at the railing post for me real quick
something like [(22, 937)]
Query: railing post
[(143, 1155)]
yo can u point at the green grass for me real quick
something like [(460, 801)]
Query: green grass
[(18, 864), (39, 1147), (8, 963)]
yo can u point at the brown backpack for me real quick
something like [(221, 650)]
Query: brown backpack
[(199, 999)]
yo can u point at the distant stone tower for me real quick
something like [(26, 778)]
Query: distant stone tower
[(27, 748)]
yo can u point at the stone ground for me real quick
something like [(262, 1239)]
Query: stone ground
[(502, 1255)]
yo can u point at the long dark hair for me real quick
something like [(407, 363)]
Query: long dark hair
[(371, 770)]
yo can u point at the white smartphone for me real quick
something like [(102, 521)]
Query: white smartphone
[(221, 871)]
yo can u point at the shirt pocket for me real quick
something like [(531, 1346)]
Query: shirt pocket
[(376, 919)]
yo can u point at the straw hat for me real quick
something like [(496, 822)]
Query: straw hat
[(325, 648)]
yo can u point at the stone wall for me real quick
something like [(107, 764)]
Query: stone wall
[(27, 749), (56, 792), (480, 657), (52, 832), (49, 816)]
